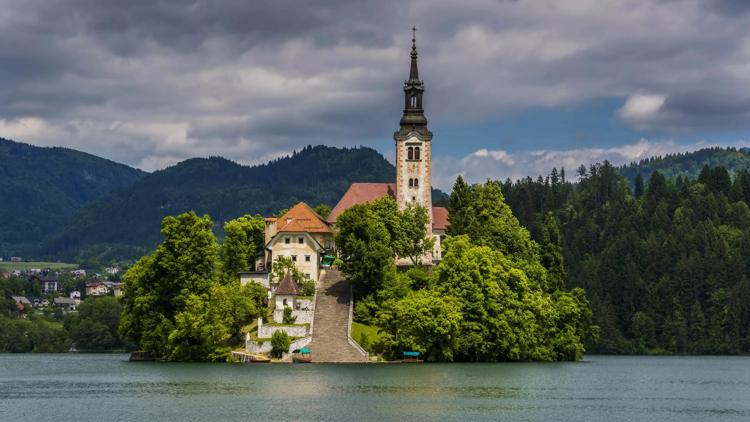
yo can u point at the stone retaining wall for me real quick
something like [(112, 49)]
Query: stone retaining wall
[(303, 317), (266, 330), (265, 347)]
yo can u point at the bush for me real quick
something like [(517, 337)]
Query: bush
[(365, 309), (364, 341), (280, 342), (306, 287), (288, 317)]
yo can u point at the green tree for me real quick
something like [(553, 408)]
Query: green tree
[(644, 332), (411, 239), (458, 207), (364, 243), (244, 238), (288, 317), (98, 321), (638, 191), (552, 254), (423, 321), (506, 314), (280, 342), (322, 210), (162, 285), (492, 223), (211, 322)]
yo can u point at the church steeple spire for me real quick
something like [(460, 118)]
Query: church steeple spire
[(413, 119), (414, 73)]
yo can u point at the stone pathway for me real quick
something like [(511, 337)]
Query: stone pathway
[(331, 324)]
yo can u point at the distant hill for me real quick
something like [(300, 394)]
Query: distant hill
[(689, 164), (126, 222), (42, 188)]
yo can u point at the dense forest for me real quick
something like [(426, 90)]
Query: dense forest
[(688, 164), (42, 188), (664, 263)]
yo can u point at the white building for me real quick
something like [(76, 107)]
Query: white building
[(301, 235)]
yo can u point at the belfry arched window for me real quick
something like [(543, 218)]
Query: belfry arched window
[(410, 153), (416, 183), (413, 100), (411, 183), (416, 153)]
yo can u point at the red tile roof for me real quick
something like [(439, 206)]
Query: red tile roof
[(361, 193), (302, 218), (287, 287), (440, 218)]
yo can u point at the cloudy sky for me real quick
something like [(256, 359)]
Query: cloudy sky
[(513, 87)]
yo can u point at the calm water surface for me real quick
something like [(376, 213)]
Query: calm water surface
[(78, 387)]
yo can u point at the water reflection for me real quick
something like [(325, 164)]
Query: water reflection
[(43, 388)]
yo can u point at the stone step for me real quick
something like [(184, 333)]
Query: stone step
[(331, 324)]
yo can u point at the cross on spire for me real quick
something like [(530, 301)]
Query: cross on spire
[(414, 73)]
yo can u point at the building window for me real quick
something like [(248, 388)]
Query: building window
[(307, 258), (300, 240), (416, 153), (416, 183), (410, 153), (294, 258), (411, 183), (287, 240), (414, 199), (307, 276), (413, 100)]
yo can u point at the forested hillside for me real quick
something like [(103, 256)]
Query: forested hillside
[(41, 188), (689, 164), (126, 223), (665, 264)]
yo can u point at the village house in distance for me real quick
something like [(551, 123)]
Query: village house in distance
[(304, 236)]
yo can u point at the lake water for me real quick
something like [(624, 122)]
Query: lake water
[(81, 387)]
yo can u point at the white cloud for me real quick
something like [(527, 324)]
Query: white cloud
[(642, 110), (500, 165)]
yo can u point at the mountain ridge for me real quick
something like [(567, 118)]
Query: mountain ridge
[(42, 187), (127, 221)]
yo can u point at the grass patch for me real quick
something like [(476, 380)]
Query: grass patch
[(367, 336), (12, 266)]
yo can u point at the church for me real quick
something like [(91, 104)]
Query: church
[(305, 237)]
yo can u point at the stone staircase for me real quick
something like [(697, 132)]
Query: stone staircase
[(330, 340)]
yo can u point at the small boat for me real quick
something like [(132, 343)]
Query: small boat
[(411, 357), (301, 355)]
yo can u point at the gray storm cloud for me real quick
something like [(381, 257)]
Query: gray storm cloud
[(151, 83)]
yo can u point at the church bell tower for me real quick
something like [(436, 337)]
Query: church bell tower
[(413, 144)]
